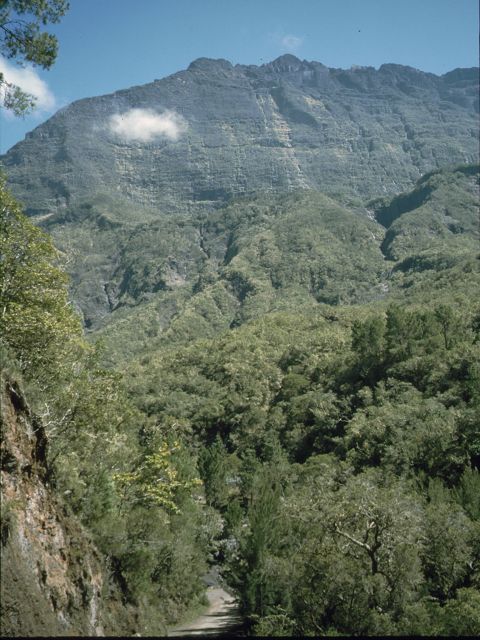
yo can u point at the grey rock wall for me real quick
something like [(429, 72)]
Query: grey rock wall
[(283, 126)]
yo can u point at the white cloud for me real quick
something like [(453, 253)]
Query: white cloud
[(291, 42), (29, 80), (145, 125)]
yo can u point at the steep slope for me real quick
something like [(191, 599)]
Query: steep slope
[(258, 256), (175, 278), (441, 213), (230, 131), (323, 399), (54, 582), (433, 235), (128, 182), (293, 253)]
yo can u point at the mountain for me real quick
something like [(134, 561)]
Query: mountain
[(282, 266), (128, 183), (236, 130), (295, 253)]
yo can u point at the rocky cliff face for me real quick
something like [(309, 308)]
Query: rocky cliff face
[(127, 183), (194, 139), (54, 581)]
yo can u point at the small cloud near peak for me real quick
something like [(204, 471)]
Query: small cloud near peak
[(291, 42), (145, 125)]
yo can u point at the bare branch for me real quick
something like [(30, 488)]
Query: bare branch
[(359, 543)]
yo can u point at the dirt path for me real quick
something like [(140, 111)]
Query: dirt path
[(221, 617)]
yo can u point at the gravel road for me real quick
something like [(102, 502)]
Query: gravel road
[(221, 617)]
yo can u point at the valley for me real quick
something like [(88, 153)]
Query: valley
[(252, 342)]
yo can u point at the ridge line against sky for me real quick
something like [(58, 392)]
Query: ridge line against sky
[(108, 45)]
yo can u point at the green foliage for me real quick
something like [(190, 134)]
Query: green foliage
[(338, 445), (467, 493), (439, 214), (461, 616), (36, 317), (22, 38), (131, 483), (154, 482), (368, 346), (262, 511), (215, 466), (351, 540)]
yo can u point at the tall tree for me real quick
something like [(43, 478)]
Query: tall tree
[(36, 319)]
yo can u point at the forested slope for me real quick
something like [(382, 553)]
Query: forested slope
[(266, 357), (135, 499), (335, 445), (292, 253), (340, 442), (324, 454), (342, 450)]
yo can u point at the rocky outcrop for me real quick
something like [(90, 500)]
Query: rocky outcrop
[(54, 580)]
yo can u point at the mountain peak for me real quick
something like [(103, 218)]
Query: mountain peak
[(286, 62), (210, 64)]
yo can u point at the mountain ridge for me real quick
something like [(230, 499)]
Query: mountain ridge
[(281, 126)]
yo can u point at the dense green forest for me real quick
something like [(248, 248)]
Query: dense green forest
[(137, 499), (319, 441)]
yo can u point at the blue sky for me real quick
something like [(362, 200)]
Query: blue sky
[(107, 45)]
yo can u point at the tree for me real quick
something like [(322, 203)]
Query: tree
[(256, 588), (461, 616), (154, 482), (449, 549), (368, 344), (23, 40), (448, 323), (36, 319), (353, 547), (214, 467)]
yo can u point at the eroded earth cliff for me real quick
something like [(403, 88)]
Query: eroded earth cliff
[(54, 581)]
